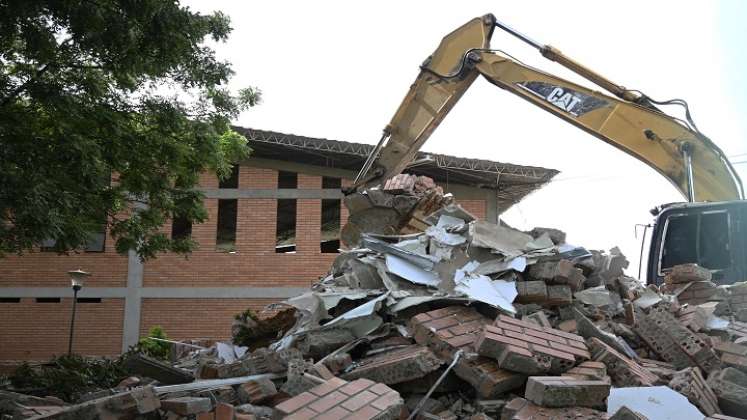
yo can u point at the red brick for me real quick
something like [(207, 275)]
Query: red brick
[(327, 387), (302, 414), (359, 400), (367, 412), (224, 411), (328, 401), (356, 386), (334, 414), (293, 404), (386, 401), (572, 350)]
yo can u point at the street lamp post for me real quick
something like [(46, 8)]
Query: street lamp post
[(77, 277)]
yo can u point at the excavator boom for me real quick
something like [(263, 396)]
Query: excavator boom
[(629, 121)]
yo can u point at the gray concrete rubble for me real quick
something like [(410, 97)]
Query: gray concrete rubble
[(429, 313)]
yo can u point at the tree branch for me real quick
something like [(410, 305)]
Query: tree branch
[(17, 91)]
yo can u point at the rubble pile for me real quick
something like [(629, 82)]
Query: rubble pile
[(431, 314)]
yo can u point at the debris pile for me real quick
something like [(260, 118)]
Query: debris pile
[(431, 314)]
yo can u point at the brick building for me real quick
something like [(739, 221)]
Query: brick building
[(272, 231)]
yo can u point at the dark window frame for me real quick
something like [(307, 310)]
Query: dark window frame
[(286, 215), (287, 180), (232, 181), (225, 228)]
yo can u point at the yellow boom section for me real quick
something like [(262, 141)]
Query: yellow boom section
[(642, 131)]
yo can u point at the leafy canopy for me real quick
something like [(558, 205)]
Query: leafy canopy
[(96, 90)]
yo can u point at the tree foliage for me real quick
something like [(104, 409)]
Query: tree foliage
[(100, 90)]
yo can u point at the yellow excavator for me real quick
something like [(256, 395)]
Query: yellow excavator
[(707, 230)]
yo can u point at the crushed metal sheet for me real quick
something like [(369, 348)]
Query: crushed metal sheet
[(408, 271), (498, 293), (508, 242), (426, 262), (498, 266)]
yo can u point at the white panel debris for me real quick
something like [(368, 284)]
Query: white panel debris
[(654, 402), (411, 272)]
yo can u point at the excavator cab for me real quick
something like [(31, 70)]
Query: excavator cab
[(711, 235)]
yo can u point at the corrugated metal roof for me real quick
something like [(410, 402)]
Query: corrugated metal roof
[(511, 182)]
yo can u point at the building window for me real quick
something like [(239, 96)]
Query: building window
[(226, 233), (330, 226), (232, 181), (285, 233), (47, 245), (331, 183), (96, 241), (89, 300), (287, 180), (10, 300), (48, 300), (181, 228)]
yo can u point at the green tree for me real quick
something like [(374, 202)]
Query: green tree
[(98, 89)]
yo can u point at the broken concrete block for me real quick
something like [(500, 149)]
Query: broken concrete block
[(563, 391), (588, 329), (448, 329), (558, 272), (721, 417), (257, 391), (297, 379), (690, 383), (527, 348), (488, 379), (695, 293), (737, 300), (559, 294), (687, 273), (590, 370), (317, 344), (124, 406), (185, 406), (156, 369), (624, 413), (521, 409), (730, 386), (623, 371), (337, 398), (538, 318), (556, 236), (395, 366), (692, 317), (665, 371), (336, 363), (674, 342), (531, 291), (731, 354)]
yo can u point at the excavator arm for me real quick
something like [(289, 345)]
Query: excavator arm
[(631, 122)]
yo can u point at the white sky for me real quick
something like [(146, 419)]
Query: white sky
[(339, 69)]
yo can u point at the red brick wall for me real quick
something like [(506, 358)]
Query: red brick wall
[(478, 208), (260, 178), (47, 269), (37, 331), (32, 331), (196, 318)]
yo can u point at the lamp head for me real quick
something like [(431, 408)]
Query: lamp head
[(77, 278)]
